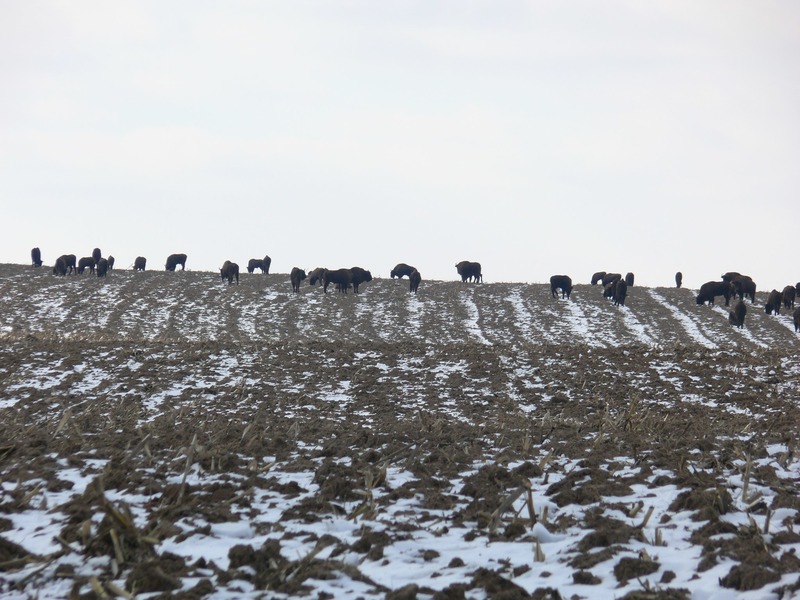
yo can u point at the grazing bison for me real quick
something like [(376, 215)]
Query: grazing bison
[(796, 317), (736, 316), (359, 276), (140, 263), (86, 261), (560, 282), (414, 279), (36, 257), (297, 276), (255, 263), (469, 271), (60, 267), (620, 293), (70, 262), (789, 294), (228, 271), (678, 279), (773, 304), (609, 277), (96, 255), (315, 276), (102, 267), (111, 262), (744, 286), (629, 279), (341, 278), (712, 289), (173, 260), (401, 270), (598, 277)]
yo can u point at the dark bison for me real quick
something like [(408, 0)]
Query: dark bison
[(401, 270), (341, 278), (359, 276), (60, 267), (228, 271), (773, 304), (678, 279), (255, 263), (36, 257), (111, 261), (297, 276), (414, 279), (140, 263), (102, 267), (609, 289), (96, 255), (560, 282), (629, 279), (69, 262), (744, 286), (609, 277), (796, 316), (797, 288), (598, 277), (469, 271), (620, 293), (86, 262), (266, 262), (788, 296), (736, 316), (315, 276), (712, 289), (730, 276), (173, 260)]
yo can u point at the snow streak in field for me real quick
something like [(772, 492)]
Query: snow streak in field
[(580, 324), (640, 331), (472, 325), (685, 320)]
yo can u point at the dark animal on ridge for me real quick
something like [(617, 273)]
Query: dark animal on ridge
[(560, 282), (111, 262), (598, 277), (96, 255), (401, 270), (139, 263), (609, 277), (629, 279), (60, 267), (678, 279), (359, 276), (469, 271), (315, 276), (266, 262), (86, 261), (70, 262), (36, 257), (228, 271), (414, 279), (173, 260), (712, 289), (338, 277), (297, 276), (796, 317), (773, 304), (789, 294), (620, 293), (730, 276), (744, 286), (797, 288), (255, 263), (102, 267), (736, 316)]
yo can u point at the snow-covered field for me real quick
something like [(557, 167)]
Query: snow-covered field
[(166, 433)]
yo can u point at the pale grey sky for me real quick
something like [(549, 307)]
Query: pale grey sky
[(534, 137)]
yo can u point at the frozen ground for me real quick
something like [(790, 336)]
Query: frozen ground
[(168, 435)]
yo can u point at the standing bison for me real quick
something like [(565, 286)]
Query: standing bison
[(736, 316), (414, 279), (788, 296), (629, 279), (678, 279), (229, 271), (773, 304), (469, 271), (297, 276), (259, 263), (597, 277), (341, 278), (560, 282), (140, 263), (70, 262), (620, 293), (111, 261), (96, 255), (744, 286), (359, 276), (712, 289), (86, 262), (36, 257), (315, 276), (401, 270), (102, 267), (173, 260)]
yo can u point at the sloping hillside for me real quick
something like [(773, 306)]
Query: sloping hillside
[(168, 433)]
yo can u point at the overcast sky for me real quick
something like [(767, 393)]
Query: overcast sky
[(534, 137)]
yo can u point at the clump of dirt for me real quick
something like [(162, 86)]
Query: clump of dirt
[(629, 567)]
